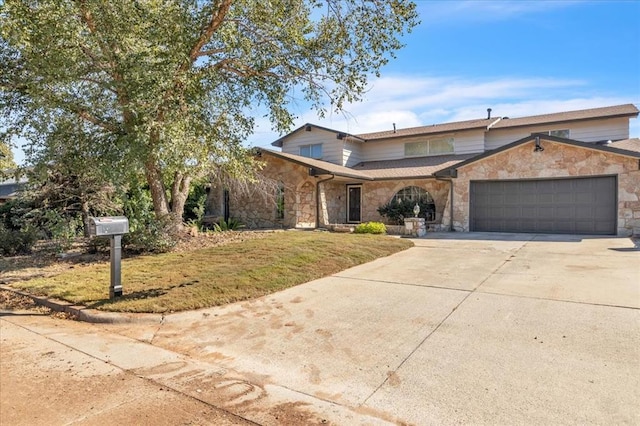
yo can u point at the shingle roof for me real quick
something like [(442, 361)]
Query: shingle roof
[(9, 189), (420, 167), (428, 130), (409, 167), (322, 167), (626, 144), (627, 110)]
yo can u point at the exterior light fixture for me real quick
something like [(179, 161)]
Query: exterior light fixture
[(538, 147), (416, 210)]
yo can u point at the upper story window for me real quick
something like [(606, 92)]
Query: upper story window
[(429, 147), (311, 151), (563, 133)]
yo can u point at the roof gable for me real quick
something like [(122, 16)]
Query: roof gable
[(309, 127), (450, 171)]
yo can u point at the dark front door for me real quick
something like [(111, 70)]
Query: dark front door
[(354, 203)]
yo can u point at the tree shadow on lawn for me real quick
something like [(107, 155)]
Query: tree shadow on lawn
[(44, 262), (140, 295), (40, 265)]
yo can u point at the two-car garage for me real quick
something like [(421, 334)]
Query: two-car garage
[(585, 205), (568, 187)]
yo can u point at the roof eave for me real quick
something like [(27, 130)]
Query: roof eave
[(442, 132), (318, 170), (560, 121)]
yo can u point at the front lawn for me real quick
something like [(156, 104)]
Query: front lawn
[(214, 276)]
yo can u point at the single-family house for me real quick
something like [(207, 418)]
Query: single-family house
[(571, 172), (10, 187)]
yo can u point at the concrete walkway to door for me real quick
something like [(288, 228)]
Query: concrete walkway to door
[(462, 328)]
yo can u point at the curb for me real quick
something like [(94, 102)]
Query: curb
[(82, 313)]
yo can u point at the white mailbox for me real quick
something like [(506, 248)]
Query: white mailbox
[(113, 227), (109, 225)]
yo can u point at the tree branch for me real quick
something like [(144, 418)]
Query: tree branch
[(210, 52), (217, 19), (94, 120)]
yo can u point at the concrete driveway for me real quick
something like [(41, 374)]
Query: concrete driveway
[(462, 328)]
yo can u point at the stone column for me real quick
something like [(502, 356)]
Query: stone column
[(415, 226)]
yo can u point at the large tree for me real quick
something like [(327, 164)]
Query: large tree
[(6, 159), (170, 87)]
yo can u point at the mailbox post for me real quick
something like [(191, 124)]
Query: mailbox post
[(114, 227)]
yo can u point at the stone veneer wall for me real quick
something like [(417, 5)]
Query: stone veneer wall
[(257, 210), (376, 194), (557, 160)]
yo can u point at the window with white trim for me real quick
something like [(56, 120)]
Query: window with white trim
[(311, 151), (561, 133), (429, 147)]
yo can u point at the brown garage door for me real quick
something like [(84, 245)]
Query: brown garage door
[(559, 206)]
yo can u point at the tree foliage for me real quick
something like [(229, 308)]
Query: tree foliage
[(167, 88), (6, 159)]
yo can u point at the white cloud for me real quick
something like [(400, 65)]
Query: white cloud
[(411, 101)]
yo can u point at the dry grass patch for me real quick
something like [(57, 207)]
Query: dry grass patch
[(214, 276)]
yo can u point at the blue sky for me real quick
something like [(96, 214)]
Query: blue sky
[(517, 57)]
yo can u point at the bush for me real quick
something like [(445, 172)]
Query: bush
[(61, 229), (14, 242), (194, 206), (371, 228), (396, 211), (152, 238), (229, 225)]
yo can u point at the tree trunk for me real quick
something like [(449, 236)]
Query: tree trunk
[(84, 209), (179, 194), (158, 193)]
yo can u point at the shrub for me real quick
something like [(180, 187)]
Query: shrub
[(371, 228), (230, 225), (195, 206), (396, 211), (154, 237), (61, 229), (14, 242)]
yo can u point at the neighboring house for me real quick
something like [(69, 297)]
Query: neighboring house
[(9, 188), (571, 172)]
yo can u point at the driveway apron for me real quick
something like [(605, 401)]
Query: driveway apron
[(472, 328)]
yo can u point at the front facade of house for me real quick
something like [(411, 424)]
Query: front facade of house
[(574, 172)]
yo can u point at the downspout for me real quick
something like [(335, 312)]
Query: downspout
[(318, 199), (450, 180)]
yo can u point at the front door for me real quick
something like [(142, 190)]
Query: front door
[(354, 203)]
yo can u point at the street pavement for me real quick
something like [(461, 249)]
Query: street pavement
[(462, 328)]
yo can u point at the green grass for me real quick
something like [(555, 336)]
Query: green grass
[(202, 278)]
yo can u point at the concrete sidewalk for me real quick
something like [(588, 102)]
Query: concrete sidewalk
[(462, 328)]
